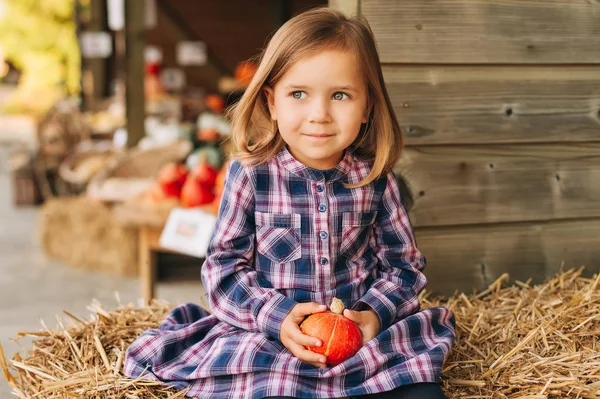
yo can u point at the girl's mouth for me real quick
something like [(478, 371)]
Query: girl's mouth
[(319, 135)]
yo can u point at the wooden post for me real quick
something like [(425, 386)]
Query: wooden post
[(135, 109), (147, 262), (98, 66)]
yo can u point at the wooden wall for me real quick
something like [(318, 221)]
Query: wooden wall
[(499, 102)]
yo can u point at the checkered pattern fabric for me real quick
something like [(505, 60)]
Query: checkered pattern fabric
[(286, 234)]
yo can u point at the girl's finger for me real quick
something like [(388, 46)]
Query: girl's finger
[(304, 340), (351, 315), (304, 309), (306, 355)]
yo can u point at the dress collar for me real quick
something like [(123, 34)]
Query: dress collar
[(287, 160)]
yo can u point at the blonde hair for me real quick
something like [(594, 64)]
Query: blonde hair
[(255, 136)]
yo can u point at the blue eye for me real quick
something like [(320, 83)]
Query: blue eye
[(297, 95), (338, 95)]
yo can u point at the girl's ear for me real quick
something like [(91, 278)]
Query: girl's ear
[(270, 101)]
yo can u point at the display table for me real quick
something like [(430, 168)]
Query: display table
[(150, 226), (148, 248)]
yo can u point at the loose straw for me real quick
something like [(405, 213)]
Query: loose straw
[(519, 341)]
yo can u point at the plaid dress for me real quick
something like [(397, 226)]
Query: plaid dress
[(287, 234)]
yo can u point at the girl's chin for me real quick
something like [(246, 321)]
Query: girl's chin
[(320, 161)]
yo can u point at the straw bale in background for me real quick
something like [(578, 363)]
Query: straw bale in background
[(84, 233)]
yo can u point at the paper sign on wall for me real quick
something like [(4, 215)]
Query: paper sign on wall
[(153, 54), (191, 53), (116, 14), (95, 44), (172, 79)]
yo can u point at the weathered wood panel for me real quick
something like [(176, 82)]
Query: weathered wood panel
[(348, 7), (467, 105), (467, 258), (485, 31), (458, 185)]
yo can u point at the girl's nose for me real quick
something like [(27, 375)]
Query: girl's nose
[(319, 112)]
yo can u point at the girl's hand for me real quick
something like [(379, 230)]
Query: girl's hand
[(293, 339), (368, 323)]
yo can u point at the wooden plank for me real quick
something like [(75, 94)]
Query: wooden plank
[(468, 105), (457, 185), (485, 31), (468, 258), (348, 7)]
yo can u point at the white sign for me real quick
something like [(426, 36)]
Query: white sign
[(95, 44), (172, 79), (153, 54), (116, 14), (188, 231), (191, 53)]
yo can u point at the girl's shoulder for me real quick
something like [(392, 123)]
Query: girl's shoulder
[(240, 170), (361, 167)]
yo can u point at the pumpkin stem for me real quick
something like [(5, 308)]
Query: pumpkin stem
[(337, 306)]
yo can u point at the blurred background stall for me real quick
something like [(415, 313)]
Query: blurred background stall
[(113, 114)]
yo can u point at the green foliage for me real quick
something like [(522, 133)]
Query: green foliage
[(39, 37)]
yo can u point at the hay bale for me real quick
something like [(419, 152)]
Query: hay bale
[(84, 233), (85, 359), (520, 341), (526, 341)]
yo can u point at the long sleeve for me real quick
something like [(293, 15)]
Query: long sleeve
[(399, 280), (234, 293)]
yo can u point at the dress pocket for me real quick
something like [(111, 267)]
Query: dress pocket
[(356, 233), (278, 236)]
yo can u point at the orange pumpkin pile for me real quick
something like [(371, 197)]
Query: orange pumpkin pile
[(340, 336), (199, 187)]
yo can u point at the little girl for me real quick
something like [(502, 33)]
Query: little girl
[(310, 211)]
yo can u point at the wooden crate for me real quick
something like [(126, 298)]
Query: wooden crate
[(24, 185), (25, 191)]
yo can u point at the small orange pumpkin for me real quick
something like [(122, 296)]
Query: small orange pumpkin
[(341, 338), (215, 103), (220, 180), (245, 71), (207, 135), (216, 204)]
